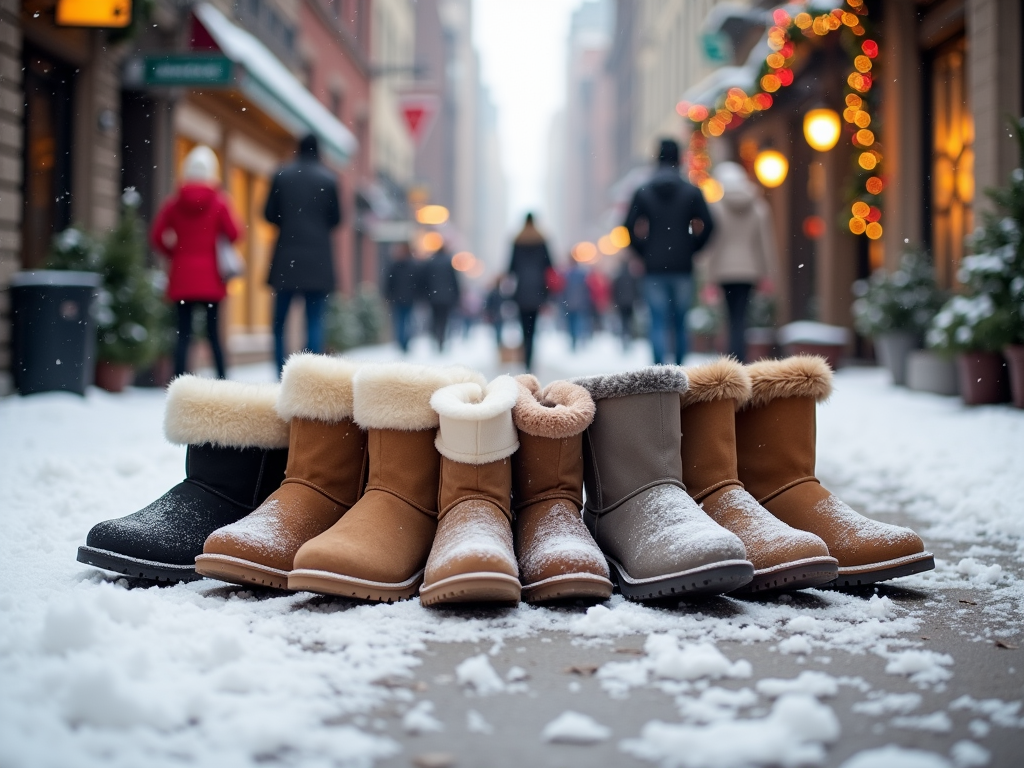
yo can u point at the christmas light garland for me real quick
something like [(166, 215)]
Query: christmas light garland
[(777, 72)]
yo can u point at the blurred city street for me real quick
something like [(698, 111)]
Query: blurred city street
[(269, 496)]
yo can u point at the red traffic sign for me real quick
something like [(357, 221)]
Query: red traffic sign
[(418, 111)]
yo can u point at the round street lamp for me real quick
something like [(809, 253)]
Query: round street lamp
[(821, 129), (771, 167)]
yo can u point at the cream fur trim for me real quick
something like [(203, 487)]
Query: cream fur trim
[(229, 414), (799, 376), (561, 410), (723, 379), (317, 387), (643, 381), (476, 422), (397, 395)]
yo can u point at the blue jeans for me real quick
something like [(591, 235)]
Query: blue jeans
[(316, 304), (402, 320), (667, 294), (577, 326)]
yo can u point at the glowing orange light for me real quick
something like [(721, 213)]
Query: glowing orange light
[(698, 113), (820, 25), (822, 129), (463, 261), (855, 81), (860, 209), (712, 190), (770, 83), (833, 22), (853, 100), (432, 214), (874, 185), (619, 237), (858, 30), (850, 19), (873, 230), (776, 60), (715, 127), (857, 226), (850, 114), (862, 119), (584, 252), (771, 167), (432, 241), (803, 20), (865, 137), (867, 161), (606, 246), (862, 63)]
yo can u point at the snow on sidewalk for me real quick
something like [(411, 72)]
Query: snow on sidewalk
[(96, 673)]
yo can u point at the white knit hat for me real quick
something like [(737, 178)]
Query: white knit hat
[(201, 164)]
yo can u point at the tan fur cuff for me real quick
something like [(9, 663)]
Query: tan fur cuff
[(561, 410), (799, 376), (317, 387), (229, 414), (723, 379), (397, 395)]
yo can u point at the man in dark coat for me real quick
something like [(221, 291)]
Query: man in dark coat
[(530, 264), (668, 223), (402, 288), (303, 203), (441, 291)]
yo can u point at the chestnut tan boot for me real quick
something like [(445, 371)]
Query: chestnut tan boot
[(472, 559), (558, 558), (775, 448), (378, 549), (325, 476), (783, 557), (658, 542)]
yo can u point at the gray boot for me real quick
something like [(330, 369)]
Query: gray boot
[(657, 540)]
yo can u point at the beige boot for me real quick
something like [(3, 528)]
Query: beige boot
[(325, 477), (472, 559), (558, 558), (783, 557), (378, 549), (775, 448)]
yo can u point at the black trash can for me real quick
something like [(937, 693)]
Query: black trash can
[(54, 334)]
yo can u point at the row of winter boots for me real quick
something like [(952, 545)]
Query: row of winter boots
[(401, 480)]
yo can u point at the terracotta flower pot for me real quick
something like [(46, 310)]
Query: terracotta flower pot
[(983, 378), (1014, 354), (113, 377)]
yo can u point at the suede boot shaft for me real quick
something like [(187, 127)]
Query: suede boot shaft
[(324, 478), (235, 457), (558, 558)]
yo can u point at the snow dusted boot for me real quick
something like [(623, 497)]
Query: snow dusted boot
[(658, 541), (783, 557), (472, 559), (325, 476), (775, 444), (237, 450), (378, 549), (558, 558)]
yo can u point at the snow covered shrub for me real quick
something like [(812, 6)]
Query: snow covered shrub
[(761, 311), (904, 300), (355, 321), (990, 314), (75, 249)]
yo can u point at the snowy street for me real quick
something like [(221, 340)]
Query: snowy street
[(97, 670)]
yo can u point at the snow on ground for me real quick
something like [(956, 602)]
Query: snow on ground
[(100, 671)]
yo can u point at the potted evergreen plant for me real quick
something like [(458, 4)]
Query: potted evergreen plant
[(129, 304), (895, 308)]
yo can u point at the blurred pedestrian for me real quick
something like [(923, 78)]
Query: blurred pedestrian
[(401, 287), (668, 222), (742, 251), (441, 291), (600, 288), (303, 203), (624, 295), (186, 230), (576, 300), (492, 307), (530, 264)]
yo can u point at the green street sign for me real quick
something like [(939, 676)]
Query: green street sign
[(188, 69)]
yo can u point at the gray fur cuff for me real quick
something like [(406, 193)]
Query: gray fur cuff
[(644, 381)]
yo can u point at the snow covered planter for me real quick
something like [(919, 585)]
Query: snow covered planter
[(809, 338), (894, 309)]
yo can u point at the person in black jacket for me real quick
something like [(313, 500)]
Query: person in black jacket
[(530, 264), (441, 290), (668, 223), (401, 288), (303, 203)]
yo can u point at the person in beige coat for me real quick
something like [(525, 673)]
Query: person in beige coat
[(741, 253)]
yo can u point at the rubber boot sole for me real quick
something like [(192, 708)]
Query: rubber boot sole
[(714, 579), (135, 568), (327, 583), (798, 574), (568, 586), (235, 570), (483, 587), (860, 575)]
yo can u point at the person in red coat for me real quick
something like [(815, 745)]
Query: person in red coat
[(186, 231)]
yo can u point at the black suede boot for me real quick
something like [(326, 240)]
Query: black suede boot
[(236, 458)]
